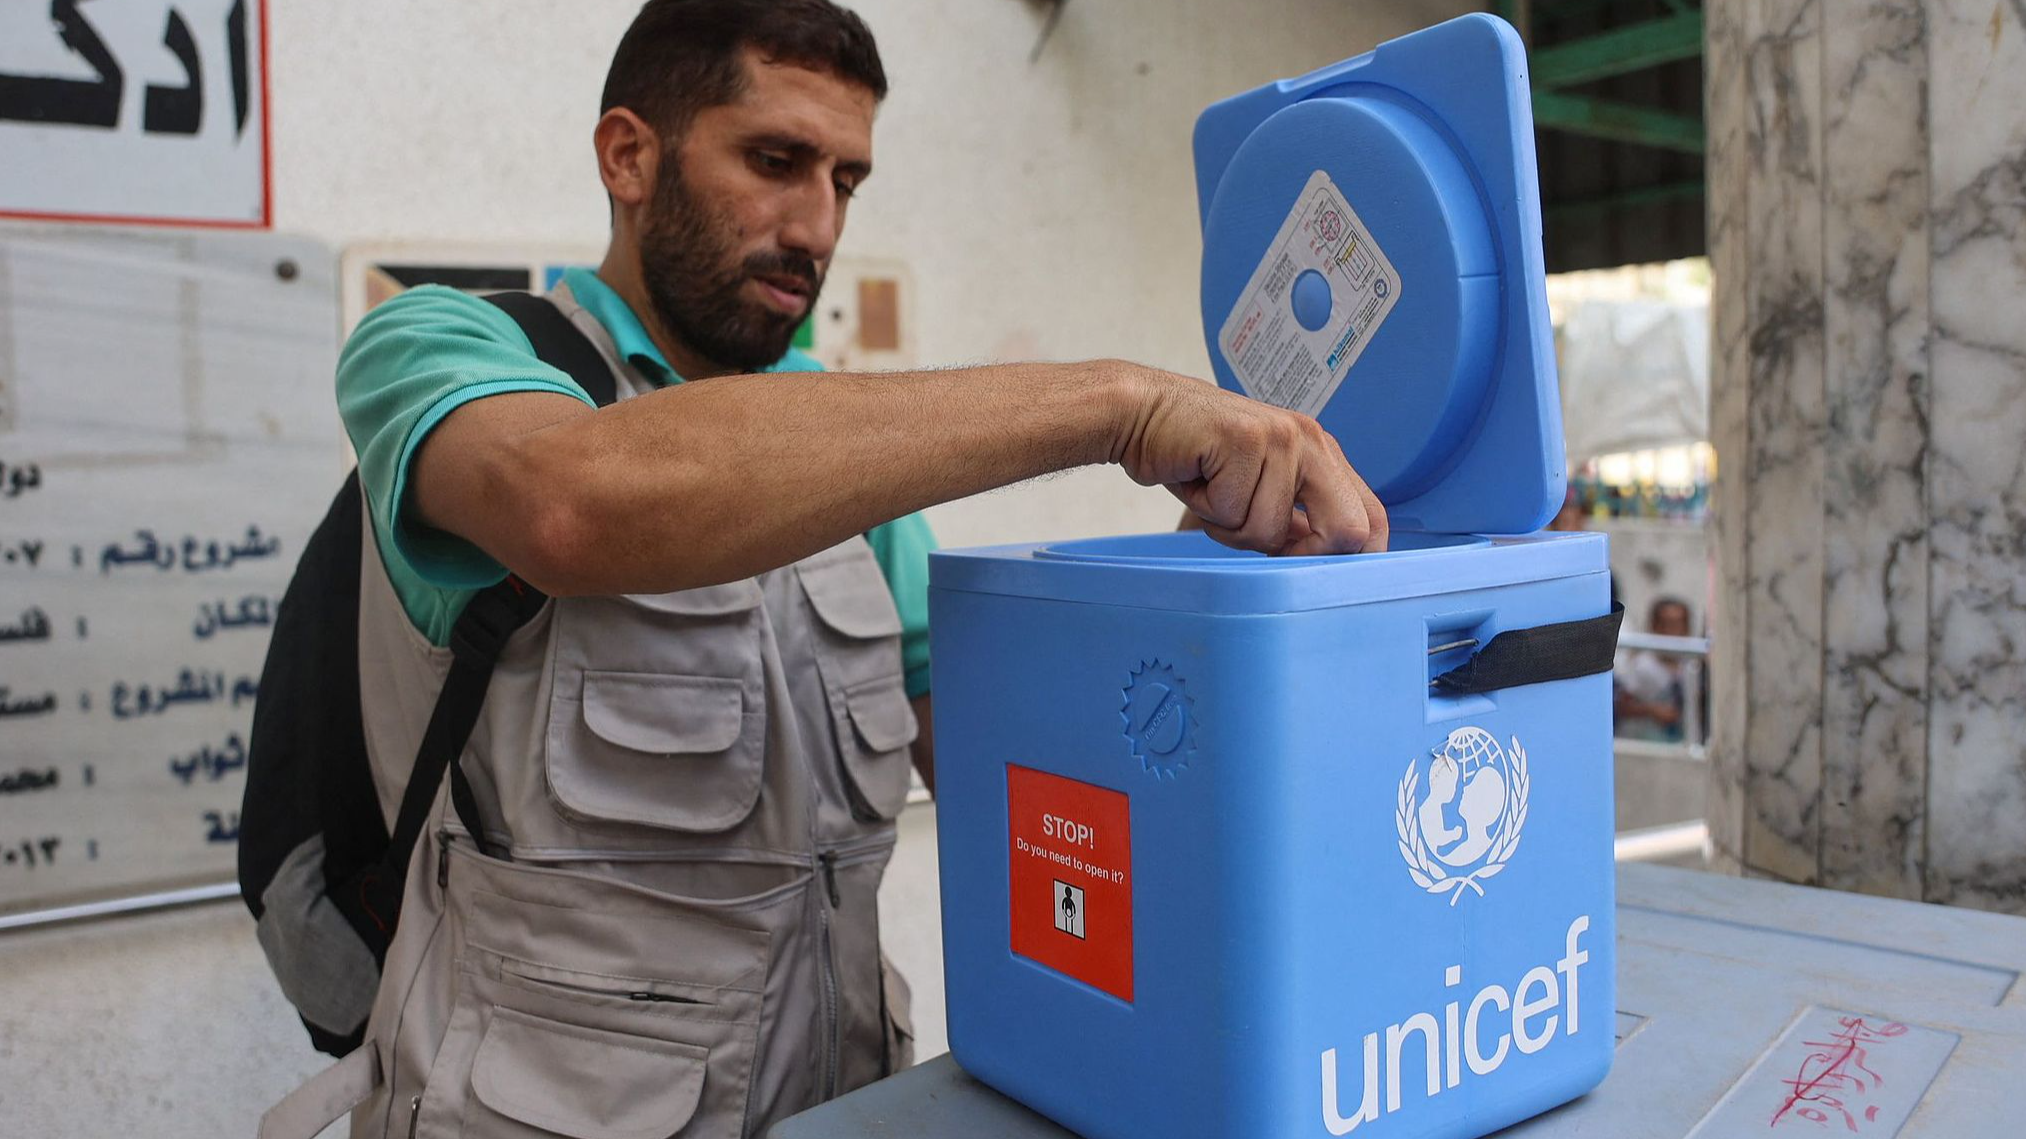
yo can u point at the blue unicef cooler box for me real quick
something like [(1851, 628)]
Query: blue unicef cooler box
[(1272, 848)]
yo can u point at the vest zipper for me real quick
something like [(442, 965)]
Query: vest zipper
[(414, 1114), (443, 859), (618, 991), (826, 862)]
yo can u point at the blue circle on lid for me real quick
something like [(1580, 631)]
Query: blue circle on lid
[(1310, 299)]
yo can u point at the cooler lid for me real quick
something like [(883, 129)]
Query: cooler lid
[(1372, 257)]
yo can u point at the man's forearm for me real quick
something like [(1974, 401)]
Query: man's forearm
[(721, 479)]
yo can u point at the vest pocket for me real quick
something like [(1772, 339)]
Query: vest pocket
[(657, 709), (876, 755), (600, 1013), (559, 1079), (680, 752), (857, 648)]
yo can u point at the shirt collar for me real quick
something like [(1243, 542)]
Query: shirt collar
[(629, 336)]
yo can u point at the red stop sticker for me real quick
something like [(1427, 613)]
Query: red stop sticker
[(1072, 878)]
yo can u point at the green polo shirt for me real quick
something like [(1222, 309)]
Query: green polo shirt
[(423, 354)]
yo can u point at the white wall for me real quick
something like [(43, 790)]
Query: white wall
[(1044, 211)]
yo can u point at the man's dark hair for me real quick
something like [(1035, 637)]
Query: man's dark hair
[(682, 56)]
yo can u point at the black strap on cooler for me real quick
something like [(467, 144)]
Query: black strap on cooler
[(476, 640), (1538, 655)]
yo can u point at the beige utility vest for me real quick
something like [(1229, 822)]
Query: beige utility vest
[(688, 803)]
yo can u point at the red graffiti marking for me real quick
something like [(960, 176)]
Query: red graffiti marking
[(1837, 1071)]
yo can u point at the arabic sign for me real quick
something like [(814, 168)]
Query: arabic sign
[(167, 443), (150, 111)]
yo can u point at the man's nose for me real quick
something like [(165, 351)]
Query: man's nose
[(811, 224)]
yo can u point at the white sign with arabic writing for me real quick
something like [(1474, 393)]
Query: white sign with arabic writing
[(168, 441), (134, 111)]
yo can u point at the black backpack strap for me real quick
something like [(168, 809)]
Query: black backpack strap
[(476, 640), (1536, 656), (559, 344)]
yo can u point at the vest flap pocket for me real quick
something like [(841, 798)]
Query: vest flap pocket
[(881, 714), (586, 1083), (665, 715), (851, 596), (875, 746), (679, 752)]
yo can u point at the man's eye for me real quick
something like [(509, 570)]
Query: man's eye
[(773, 163), (846, 190)]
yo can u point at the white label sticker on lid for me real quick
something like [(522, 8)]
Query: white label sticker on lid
[(1312, 306)]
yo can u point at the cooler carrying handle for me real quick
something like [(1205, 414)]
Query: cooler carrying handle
[(1538, 655)]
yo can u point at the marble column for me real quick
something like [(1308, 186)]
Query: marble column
[(1867, 189)]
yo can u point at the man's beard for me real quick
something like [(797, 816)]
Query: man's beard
[(694, 283)]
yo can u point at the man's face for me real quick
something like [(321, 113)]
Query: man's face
[(747, 210), (1671, 621)]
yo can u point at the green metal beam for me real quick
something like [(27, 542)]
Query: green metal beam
[(1634, 47), (1624, 199), (1561, 11), (1618, 122)]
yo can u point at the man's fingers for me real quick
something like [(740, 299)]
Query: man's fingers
[(1222, 536), (1320, 544), (1298, 529), (1196, 496), (1267, 480), (1268, 517), (1381, 528), (1339, 521), (1297, 532), (1226, 501), (1192, 495)]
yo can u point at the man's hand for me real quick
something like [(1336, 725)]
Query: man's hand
[(1243, 467)]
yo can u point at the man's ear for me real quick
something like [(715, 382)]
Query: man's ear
[(629, 154)]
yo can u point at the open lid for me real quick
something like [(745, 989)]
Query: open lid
[(1372, 257)]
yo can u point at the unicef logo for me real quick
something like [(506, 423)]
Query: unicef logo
[(1467, 826), (1160, 719)]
